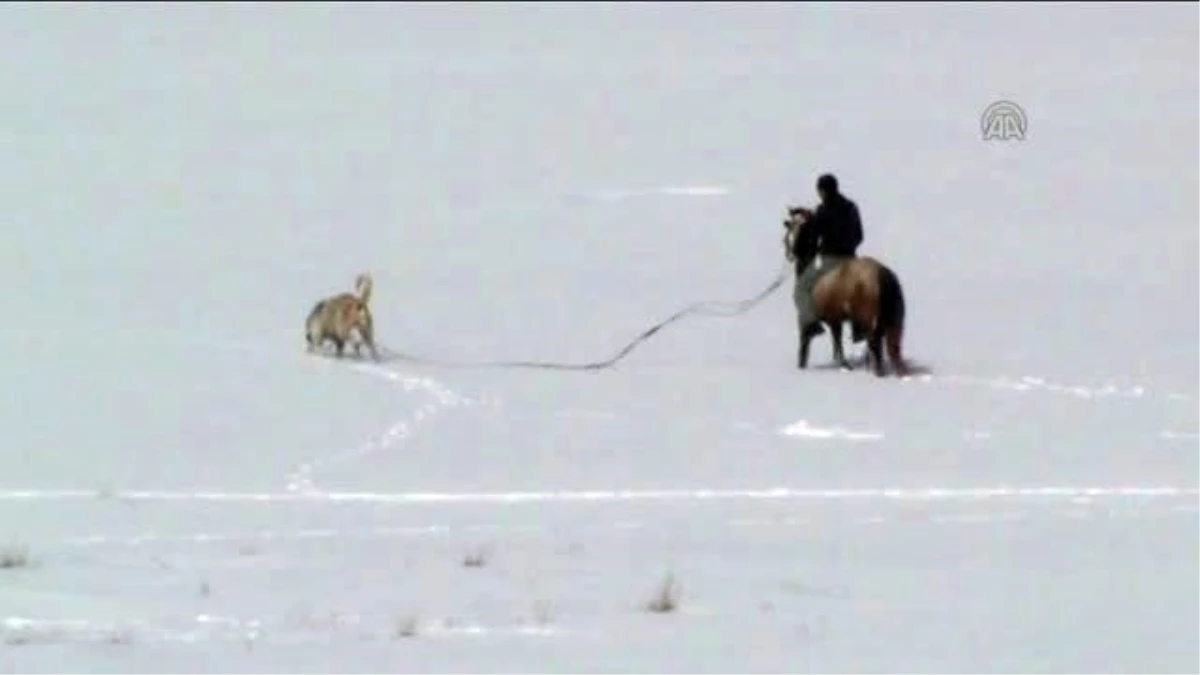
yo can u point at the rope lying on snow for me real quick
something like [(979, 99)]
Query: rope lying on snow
[(711, 308)]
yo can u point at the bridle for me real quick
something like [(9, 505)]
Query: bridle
[(797, 217)]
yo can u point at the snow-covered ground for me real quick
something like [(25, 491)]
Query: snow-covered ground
[(178, 184)]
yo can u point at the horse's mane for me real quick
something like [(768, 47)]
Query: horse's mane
[(804, 245)]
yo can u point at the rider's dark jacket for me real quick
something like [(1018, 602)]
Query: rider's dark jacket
[(835, 229)]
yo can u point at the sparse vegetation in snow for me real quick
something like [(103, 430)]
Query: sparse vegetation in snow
[(407, 627), (666, 600), (475, 559), (13, 557)]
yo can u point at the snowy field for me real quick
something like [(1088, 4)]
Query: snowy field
[(182, 488)]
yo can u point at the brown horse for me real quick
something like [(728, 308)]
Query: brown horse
[(862, 291)]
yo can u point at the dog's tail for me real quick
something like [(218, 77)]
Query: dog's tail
[(312, 318), (363, 285), (891, 316)]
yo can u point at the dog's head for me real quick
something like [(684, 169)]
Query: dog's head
[(363, 284)]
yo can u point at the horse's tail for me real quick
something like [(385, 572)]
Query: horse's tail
[(891, 316)]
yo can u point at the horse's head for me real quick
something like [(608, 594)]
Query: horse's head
[(797, 218), (800, 211)]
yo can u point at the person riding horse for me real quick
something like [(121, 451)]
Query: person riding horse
[(830, 236)]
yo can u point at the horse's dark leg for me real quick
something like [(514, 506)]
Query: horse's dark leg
[(835, 334), (875, 345), (857, 334), (893, 339), (806, 336), (340, 344)]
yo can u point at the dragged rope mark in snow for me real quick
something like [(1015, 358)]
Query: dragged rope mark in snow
[(1067, 492)]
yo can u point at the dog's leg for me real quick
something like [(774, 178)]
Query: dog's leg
[(316, 341), (320, 338), (367, 334)]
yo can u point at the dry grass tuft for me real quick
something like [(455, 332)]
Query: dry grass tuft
[(475, 559), (13, 557), (543, 613), (667, 598), (407, 627)]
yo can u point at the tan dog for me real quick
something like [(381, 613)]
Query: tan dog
[(338, 317)]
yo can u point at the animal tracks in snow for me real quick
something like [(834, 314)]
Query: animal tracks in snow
[(276, 630), (441, 397), (1189, 437), (1074, 493), (859, 507), (1030, 383), (803, 429)]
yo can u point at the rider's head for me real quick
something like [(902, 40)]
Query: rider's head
[(827, 186)]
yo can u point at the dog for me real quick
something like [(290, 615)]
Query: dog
[(339, 317)]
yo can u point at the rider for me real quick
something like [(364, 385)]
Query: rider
[(836, 228)]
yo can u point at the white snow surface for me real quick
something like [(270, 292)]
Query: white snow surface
[(194, 493)]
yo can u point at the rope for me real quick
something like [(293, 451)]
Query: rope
[(711, 308)]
